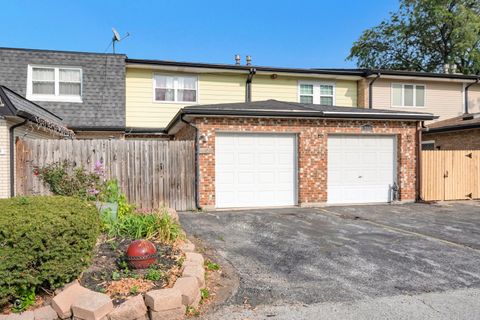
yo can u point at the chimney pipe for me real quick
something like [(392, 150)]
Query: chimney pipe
[(237, 60), (249, 60), (446, 68)]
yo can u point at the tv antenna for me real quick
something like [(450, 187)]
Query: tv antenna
[(116, 38)]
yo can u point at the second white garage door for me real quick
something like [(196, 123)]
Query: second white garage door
[(255, 170), (361, 169)]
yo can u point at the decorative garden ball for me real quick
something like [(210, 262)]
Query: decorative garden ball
[(141, 254)]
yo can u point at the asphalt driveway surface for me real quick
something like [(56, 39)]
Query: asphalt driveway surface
[(299, 256)]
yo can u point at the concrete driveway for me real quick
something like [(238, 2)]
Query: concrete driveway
[(306, 259)]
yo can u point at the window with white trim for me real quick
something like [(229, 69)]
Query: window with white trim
[(54, 83), (175, 88), (428, 145), (408, 95), (316, 93)]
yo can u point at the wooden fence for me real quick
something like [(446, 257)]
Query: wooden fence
[(450, 175), (150, 173)]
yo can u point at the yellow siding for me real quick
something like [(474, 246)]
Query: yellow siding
[(142, 111), (444, 99), (474, 98)]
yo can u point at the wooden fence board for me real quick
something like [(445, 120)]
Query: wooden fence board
[(151, 173)]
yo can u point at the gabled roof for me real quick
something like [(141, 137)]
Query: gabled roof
[(17, 106), (282, 109), (463, 122)]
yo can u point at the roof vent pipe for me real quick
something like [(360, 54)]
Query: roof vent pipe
[(446, 68), (237, 60), (249, 60)]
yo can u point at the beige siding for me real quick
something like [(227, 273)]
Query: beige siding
[(142, 111), (27, 131), (474, 98), (444, 99)]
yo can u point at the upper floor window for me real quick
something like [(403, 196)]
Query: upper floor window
[(317, 93), (54, 84), (175, 88), (408, 95)]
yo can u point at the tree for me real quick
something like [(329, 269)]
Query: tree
[(424, 35)]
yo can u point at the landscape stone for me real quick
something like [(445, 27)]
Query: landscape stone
[(196, 271), (194, 257), (132, 309), (190, 290), (92, 306), (63, 301), (172, 314), (45, 313), (163, 299)]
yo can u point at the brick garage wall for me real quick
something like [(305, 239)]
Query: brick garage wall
[(186, 133), (457, 140), (312, 151)]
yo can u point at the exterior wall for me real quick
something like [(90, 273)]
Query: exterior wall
[(85, 135), (142, 111), (27, 131), (312, 151), (362, 93), (186, 133), (455, 140), (103, 84), (444, 99), (474, 99)]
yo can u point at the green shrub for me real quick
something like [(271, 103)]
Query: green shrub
[(45, 242), (153, 226)]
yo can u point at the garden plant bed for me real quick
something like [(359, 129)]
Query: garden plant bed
[(109, 272)]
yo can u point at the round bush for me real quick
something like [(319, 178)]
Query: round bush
[(44, 242)]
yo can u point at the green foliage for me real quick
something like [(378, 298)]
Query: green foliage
[(64, 179), (25, 300), (424, 35), (134, 290), (211, 266), (192, 312), (153, 226), (153, 275), (204, 293), (46, 242)]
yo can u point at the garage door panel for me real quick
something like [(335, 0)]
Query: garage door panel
[(361, 169), (263, 167)]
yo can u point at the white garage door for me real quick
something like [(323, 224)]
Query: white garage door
[(255, 170), (361, 169)]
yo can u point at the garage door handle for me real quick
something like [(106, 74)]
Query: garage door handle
[(359, 177), (446, 174)]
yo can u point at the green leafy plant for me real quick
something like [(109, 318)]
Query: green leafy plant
[(204, 293), (134, 290), (45, 242), (25, 300), (65, 179), (191, 311), (153, 275), (211, 266), (157, 226), (116, 275)]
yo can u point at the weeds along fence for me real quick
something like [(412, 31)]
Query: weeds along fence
[(150, 173)]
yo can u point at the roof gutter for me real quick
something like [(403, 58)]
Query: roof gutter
[(248, 84), (370, 91), (466, 93), (12, 155), (452, 128)]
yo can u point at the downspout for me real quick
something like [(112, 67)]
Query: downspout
[(12, 156), (197, 152), (370, 91), (466, 94), (248, 85), (419, 161)]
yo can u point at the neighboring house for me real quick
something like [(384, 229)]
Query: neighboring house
[(273, 153), (87, 90), (459, 133), (22, 118), (156, 90), (441, 94)]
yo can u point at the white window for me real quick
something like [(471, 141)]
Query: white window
[(169, 88), (428, 145), (408, 95), (54, 84), (317, 93)]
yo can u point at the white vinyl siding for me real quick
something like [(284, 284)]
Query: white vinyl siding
[(408, 95), (316, 92), (47, 83), (168, 88)]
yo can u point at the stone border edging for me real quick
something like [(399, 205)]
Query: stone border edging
[(79, 303)]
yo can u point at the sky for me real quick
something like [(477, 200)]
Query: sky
[(304, 34)]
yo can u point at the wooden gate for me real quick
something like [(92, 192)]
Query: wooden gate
[(150, 173), (450, 175)]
